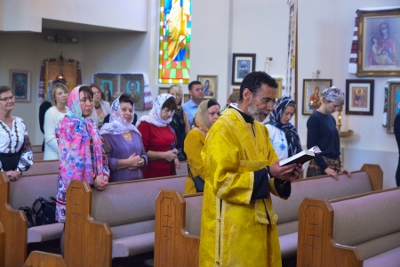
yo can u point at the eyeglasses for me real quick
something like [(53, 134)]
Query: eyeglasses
[(268, 101), (5, 99), (85, 100)]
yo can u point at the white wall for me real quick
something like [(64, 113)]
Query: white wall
[(325, 36), (219, 29), (22, 15)]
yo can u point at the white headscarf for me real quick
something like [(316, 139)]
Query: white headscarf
[(118, 124), (154, 116)]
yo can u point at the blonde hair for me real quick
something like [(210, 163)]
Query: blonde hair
[(178, 90), (54, 89)]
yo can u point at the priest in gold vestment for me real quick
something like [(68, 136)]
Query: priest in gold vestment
[(238, 227)]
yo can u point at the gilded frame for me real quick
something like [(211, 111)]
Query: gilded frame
[(393, 105), (133, 85), (107, 83), (210, 88), (20, 82), (312, 92), (378, 42)]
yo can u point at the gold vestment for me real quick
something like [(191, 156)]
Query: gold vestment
[(235, 230)]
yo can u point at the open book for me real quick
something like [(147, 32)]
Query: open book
[(301, 157)]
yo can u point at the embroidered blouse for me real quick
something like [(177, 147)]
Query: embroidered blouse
[(16, 140)]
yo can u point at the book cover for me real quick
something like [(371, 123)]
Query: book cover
[(301, 157)]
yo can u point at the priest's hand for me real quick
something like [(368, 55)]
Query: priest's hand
[(286, 173)]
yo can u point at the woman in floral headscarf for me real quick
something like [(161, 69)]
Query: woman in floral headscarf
[(159, 139), (283, 134), (205, 116), (80, 144), (123, 143)]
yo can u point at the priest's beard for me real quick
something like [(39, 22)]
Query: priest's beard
[(258, 115)]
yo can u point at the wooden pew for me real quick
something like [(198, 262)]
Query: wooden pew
[(120, 218), (368, 179), (37, 148), (37, 156), (172, 236), (44, 259), (14, 222), (357, 231), (43, 167), (177, 232), (183, 170)]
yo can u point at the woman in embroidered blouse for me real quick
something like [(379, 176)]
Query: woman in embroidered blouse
[(123, 142), (205, 116), (101, 108), (158, 138), (59, 98), (180, 121), (15, 147), (282, 133), (81, 148)]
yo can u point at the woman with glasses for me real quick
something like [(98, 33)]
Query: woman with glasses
[(81, 148), (322, 132), (59, 97), (101, 108), (282, 133), (15, 147), (205, 116)]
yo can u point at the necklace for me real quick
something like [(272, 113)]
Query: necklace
[(127, 135), (97, 107)]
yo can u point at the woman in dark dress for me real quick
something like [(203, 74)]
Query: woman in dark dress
[(180, 121)]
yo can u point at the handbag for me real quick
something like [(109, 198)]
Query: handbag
[(28, 213), (46, 214), (198, 181)]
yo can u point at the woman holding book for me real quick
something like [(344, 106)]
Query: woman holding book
[(322, 132), (283, 134)]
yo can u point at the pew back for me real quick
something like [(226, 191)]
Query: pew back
[(43, 167), (37, 156), (362, 230), (123, 215), (16, 233), (323, 186), (177, 229), (44, 259), (36, 148), (172, 208), (370, 222)]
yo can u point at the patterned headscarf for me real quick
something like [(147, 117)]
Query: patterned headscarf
[(333, 94), (291, 134), (89, 149), (154, 116), (118, 124)]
